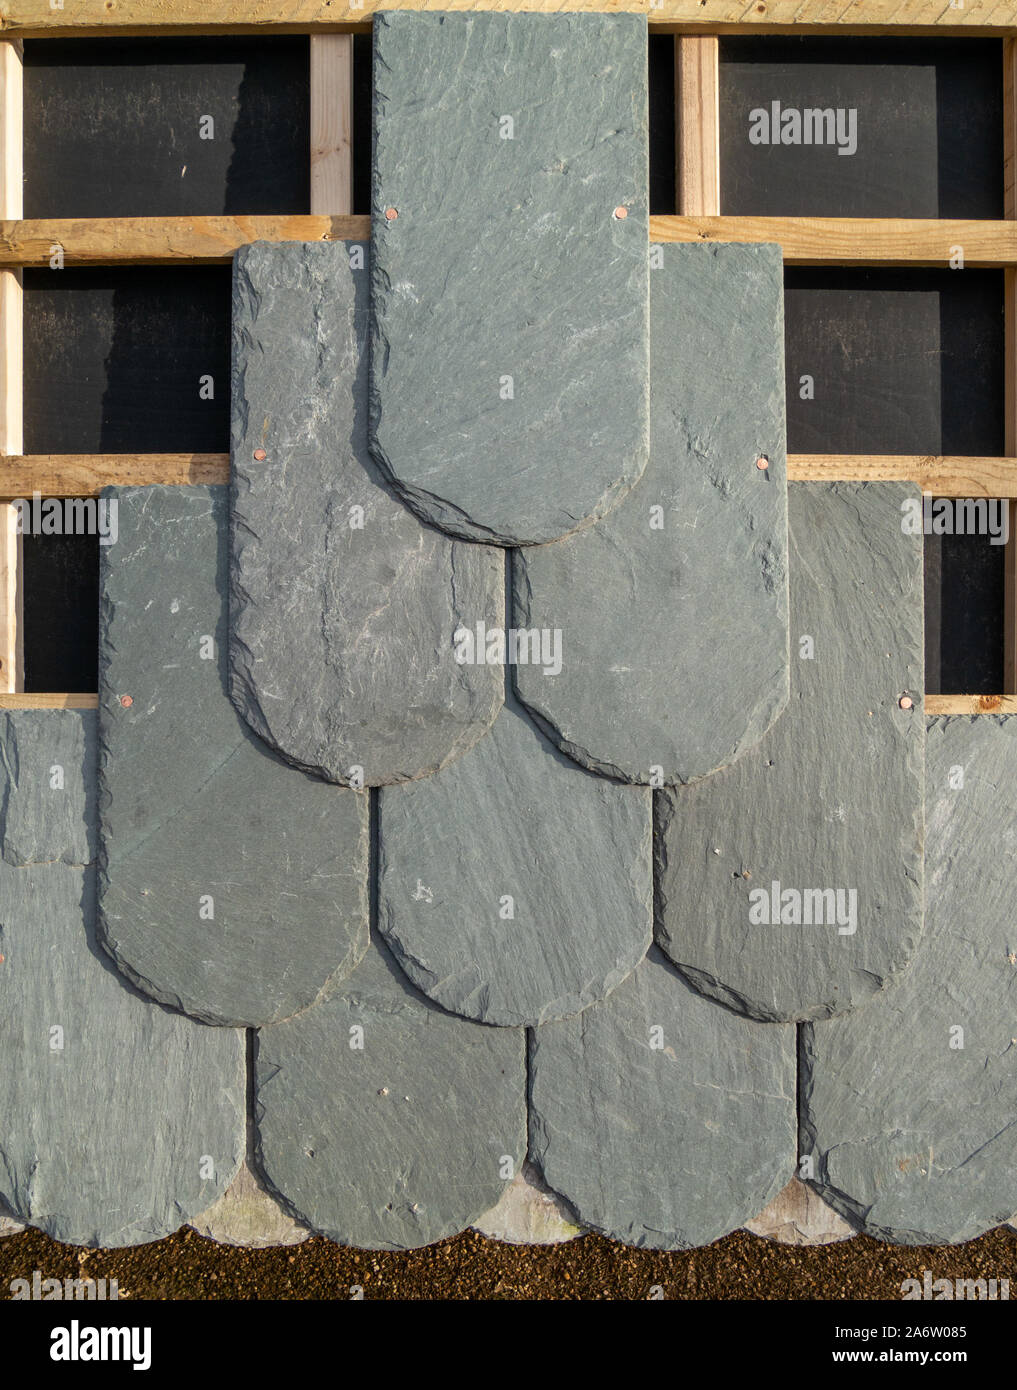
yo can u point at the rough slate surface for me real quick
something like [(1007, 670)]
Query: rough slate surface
[(119, 1120), (662, 1119), (673, 609), (342, 604), (914, 1135), (383, 1122), (193, 807), (831, 799), (506, 261), (44, 812), (515, 887)]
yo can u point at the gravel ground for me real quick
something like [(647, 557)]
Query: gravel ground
[(741, 1266)]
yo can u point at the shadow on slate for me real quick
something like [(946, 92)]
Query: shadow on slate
[(750, 861), (120, 1120), (381, 1121), (673, 608), (232, 886), (342, 604), (664, 1120), (909, 1105), (514, 886), (509, 347)]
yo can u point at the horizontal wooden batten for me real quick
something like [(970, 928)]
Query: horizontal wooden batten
[(857, 241), (85, 475), (82, 17), (934, 704), (860, 241), (971, 704), (84, 700), (160, 240)]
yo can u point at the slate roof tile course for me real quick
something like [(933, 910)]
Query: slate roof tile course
[(118, 1119), (452, 975), (232, 886), (341, 601), (509, 354)]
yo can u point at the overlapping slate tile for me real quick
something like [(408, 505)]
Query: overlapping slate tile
[(673, 609), (384, 1123), (910, 1104), (118, 1119), (509, 267), (232, 885), (514, 886), (342, 604), (822, 823), (44, 813), (662, 1119)]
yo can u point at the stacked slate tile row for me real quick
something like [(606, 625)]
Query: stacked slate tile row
[(535, 772)]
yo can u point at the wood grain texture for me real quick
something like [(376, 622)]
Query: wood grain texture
[(213, 240), (697, 126), (856, 241), (971, 704), (12, 651), (59, 700), (161, 240), (332, 124), (1010, 360), (85, 475), (80, 17)]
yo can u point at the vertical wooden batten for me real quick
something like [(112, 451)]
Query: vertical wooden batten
[(12, 655), (697, 126), (1010, 311), (332, 124)]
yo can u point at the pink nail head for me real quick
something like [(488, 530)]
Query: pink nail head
[(762, 463), (127, 701), (906, 702)]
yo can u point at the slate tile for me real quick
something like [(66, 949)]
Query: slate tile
[(514, 886), (909, 1104), (119, 1120), (44, 813), (232, 886), (508, 397), (673, 609), (382, 1122), (342, 604), (830, 802), (664, 1120)]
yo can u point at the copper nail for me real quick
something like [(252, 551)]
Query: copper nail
[(127, 701), (391, 214), (260, 454), (762, 463), (905, 702), (621, 214)]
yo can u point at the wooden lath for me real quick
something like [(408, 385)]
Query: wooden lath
[(842, 241), (85, 475), (36, 18)]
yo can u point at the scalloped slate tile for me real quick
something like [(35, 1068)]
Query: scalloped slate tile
[(384, 1123), (912, 1134), (830, 800), (663, 1120), (120, 1120), (44, 814), (342, 604), (193, 807), (685, 665), (515, 887), (509, 343)]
